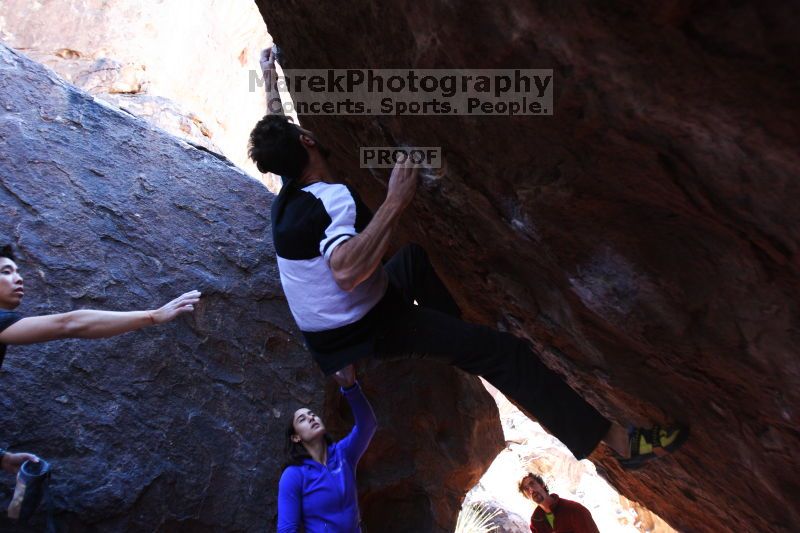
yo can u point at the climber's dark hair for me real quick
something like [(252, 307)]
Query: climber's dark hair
[(538, 479), (275, 147), (295, 451), (7, 251)]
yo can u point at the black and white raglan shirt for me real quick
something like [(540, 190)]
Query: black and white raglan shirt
[(307, 225)]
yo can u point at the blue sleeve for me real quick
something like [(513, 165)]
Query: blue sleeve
[(290, 501), (355, 444)]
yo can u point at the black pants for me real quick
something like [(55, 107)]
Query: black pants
[(434, 330)]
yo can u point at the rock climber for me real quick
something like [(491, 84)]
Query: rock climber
[(349, 304)]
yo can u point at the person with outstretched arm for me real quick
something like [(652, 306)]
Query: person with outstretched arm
[(348, 304), (83, 324), (317, 490)]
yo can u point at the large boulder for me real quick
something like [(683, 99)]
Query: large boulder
[(177, 427), (645, 235), (180, 428)]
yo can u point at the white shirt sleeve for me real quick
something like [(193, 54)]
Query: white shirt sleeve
[(341, 208)]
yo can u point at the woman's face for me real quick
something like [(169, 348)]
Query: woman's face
[(307, 426)]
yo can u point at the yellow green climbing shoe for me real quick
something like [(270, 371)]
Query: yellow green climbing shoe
[(650, 443)]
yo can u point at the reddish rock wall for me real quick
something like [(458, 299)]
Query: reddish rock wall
[(645, 235)]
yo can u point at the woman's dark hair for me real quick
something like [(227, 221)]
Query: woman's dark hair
[(538, 479), (295, 451), (7, 251), (275, 147)]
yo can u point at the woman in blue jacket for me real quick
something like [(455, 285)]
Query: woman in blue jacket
[(317, 490)]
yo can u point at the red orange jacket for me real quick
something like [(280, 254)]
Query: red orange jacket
[(570, 517)]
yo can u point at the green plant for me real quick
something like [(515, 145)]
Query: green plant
[(475, 518)]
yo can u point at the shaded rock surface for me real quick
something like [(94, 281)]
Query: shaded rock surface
[(180, 428), (185, 69), (645, 236)]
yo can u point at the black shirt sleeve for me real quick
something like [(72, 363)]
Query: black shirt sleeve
[(6, 319)]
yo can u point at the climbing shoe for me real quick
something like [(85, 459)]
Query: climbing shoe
[(649, 443)]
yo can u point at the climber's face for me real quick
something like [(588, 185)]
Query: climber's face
[(11, 289), (307, 426)]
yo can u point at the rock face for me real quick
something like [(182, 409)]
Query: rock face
[(184, 69), (645, 235), (180, 428)]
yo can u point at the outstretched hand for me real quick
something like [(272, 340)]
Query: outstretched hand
[(345, 377), (11, 462), (403, 183), (182, 304)]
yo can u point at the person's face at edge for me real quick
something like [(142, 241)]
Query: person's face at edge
[(534, 490), (11, 288), (307, 426)]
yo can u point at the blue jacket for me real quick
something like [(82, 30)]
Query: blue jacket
[(323, 498)]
